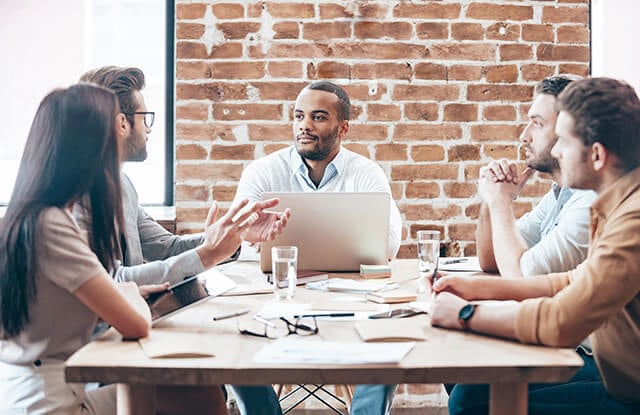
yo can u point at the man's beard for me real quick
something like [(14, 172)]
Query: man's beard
[(544, 162), (319, 152), (136, 152)]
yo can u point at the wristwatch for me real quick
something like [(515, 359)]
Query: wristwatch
[(465, 314)]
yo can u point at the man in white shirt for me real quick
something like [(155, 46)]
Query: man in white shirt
[(317, 162), (554, 236)]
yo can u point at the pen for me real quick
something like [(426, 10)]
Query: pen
[(232, 314), (455, 261), (325, 315)]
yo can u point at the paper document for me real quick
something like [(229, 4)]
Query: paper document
[(296, 350), (459, 264), (276, 310), (353, 286)]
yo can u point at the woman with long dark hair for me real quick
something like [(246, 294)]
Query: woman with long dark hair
[(54, 282)]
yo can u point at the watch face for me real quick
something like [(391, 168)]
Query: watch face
[(467, 311)]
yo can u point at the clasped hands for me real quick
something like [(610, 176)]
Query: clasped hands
[(500, 179)]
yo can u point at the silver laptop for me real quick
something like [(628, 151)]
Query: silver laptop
[(333, 231)]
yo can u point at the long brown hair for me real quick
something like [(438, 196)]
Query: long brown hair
[(71, 153)]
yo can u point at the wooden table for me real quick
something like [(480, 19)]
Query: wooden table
[(447, 356)]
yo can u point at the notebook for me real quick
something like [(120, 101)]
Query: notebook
[(333, 231), (188, 293), (391, 330)]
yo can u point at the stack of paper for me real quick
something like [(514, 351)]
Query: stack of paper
[(375, 271), (391, 330), (392, 297), (352, 286)]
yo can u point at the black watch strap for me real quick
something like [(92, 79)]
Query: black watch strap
[(465, 314)]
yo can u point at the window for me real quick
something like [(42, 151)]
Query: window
[(52, 46), (614, 32)]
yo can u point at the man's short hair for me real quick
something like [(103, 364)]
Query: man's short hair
[(606, 111), (344, 104), (122, 81), (554, 85)]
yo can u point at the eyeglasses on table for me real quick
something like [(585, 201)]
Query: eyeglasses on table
[(306, 326)]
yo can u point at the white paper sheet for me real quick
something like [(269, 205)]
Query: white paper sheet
[(295, 350)]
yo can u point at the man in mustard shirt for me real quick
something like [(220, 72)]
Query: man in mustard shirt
[(598, 148)]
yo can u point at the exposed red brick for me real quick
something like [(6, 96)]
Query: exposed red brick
[(368, 132), (190, 11), (287, 69), (429, 171), (334, 11), (391, 152), (327, 31), (228, 10), (286, 30), (467, 31), (418, 111), (463, 152), (537, 32), (192, 70), (419, 132), (426, 11), (232, 152), (363, 92), (501, 73), (238, 70), (464, 73), (422, 190), (359, 148), (237, 30), (432, 30), (225, 111), (499, 92), (215, 91), (463, 51), (462, 231), (381, 71), (378, 30), (383, 112), (428, 70), (271, 148), (426, 92), (372, 10), (192, 111), (371, 50), (211, 171), (535, 188), (190, 152), (515, 52), (490, 11), (429, 212), (460, 112), (189, 30), (427, 153), (574, 68), (223, 193), (499, 113), (286, 91), (550, 52), (565, 14), (495, 151), (197, 50), (573, 34), (290, 10), (536, 72), (503, 31), (185, 193), (495, 132)]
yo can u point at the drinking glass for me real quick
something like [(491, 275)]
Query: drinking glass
[(428, 253), (284, 269)]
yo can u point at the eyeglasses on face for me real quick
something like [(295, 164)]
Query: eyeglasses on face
[(301, 327), (149, 117)]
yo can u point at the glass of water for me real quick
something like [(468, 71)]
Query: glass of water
[(428, 253), (284, 271)]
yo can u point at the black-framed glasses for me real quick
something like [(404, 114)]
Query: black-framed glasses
[(270, 330), (149, 117)]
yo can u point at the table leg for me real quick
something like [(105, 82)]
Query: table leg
[(136, 399), (508, 399)]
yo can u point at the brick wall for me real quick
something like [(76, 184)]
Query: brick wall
[(439, 88)]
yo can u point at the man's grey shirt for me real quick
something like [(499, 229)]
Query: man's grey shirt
[(152, 254)]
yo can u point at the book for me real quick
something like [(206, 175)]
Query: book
[(391, 297), (375, 271), (304, 276), (392, 330)]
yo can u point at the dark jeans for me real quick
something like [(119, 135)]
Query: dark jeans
[(583, 394)]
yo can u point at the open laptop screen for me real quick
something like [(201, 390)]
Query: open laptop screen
[(334, 231)]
